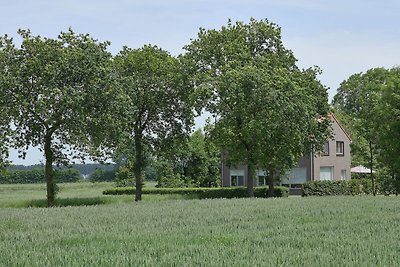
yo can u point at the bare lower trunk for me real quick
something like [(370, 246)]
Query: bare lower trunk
[(49, 174), (371, 166), (138, 167), (250, 180), (271, 189)]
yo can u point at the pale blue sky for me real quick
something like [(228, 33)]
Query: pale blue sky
[(342, 37)]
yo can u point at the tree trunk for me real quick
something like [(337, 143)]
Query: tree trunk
[(371, 165), (138, 167), (250, 180), (271, 189), (49, 174)]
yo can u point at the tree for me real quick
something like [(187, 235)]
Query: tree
[(268, 111), (201, 164), (387, 127), (356, 101), (56, 94), (5, 130), (156, 102)]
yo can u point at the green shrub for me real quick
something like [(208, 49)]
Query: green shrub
[(334, 188), (203, 192), (67, 176), (101, 175)]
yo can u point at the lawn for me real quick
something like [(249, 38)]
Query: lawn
[(294, 231)]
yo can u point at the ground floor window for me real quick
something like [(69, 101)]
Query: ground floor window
[(261, 177), (326, 173), (237, 177), (295, 176), (343, 175)]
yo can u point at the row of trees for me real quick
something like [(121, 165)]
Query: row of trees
[(369, 105), (70, 97)]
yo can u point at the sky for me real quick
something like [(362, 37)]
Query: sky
[(342, 37)]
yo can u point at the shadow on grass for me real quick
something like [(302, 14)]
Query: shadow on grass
[(82, 201), (92, 201)]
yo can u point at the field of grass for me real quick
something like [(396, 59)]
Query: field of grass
[(71, 194), (313, 231)]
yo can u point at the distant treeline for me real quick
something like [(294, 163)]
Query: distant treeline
[(84, 169)]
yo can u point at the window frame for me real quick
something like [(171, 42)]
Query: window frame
[(332, 170), (237, 177), (236, 174), (341, 145), (343, 177)]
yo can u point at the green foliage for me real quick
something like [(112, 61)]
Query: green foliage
[(125, 176), (155, 102), (174, 181), (195, 163), (356, 103), (202, 193), (369, 105), (202, 161), (267, 110), (335, 188), (38, 176), (101, 175), (388, 124), (56, 91)]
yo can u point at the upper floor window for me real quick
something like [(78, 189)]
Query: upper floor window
[(339, 148), (325, 150)]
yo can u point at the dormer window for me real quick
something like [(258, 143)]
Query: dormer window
[(339, 148)]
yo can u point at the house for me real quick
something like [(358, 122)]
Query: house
[(332, 164)]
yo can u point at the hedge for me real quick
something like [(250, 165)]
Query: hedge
[(202, 192), (334, 188)]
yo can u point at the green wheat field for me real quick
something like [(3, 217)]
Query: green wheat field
[(294, 231)]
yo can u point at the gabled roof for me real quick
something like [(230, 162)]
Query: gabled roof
[(341, 127)]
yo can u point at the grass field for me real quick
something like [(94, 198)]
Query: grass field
[(314, 231), (71, 194)]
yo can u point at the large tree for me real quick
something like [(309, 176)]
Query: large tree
[(268, 111), (356, 102), (156, 103), (387, 127), (56, 92)]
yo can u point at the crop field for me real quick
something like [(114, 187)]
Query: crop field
[(294, 231)]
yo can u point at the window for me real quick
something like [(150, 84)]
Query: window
[(262, 180), (339, 148), (262, 177), (326, 173), (325, 150), (237, 177), (237, 180), (343, 175), (295, 176)]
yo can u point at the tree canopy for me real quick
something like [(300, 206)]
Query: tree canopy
[(56, 91), (367, 102), (156, 101), (268, 111)]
